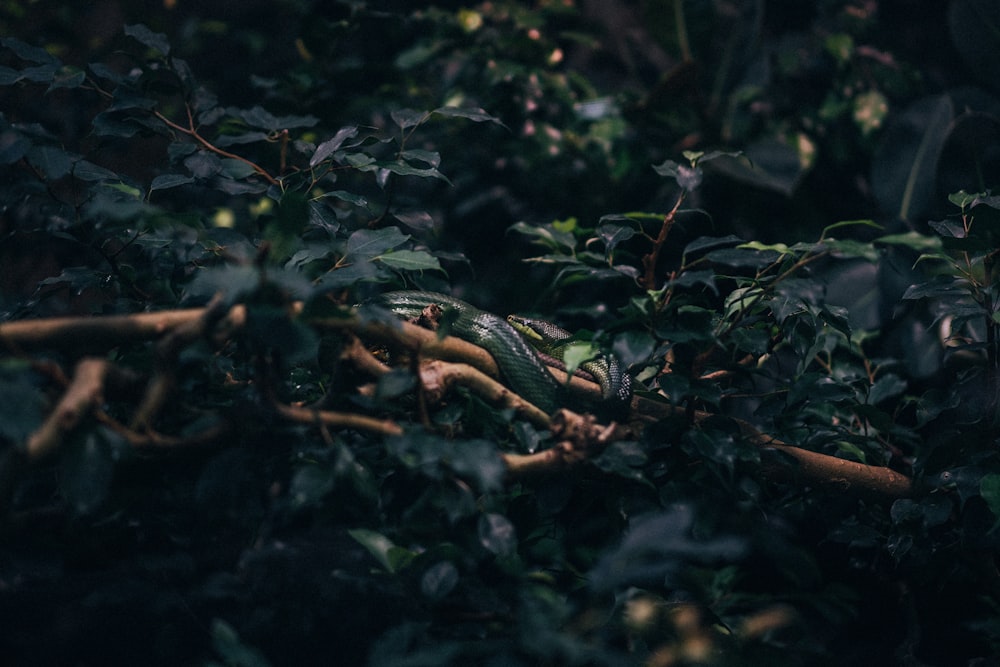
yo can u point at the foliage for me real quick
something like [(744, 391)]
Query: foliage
[(204, 464)]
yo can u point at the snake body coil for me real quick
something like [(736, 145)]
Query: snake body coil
[(517, 359)]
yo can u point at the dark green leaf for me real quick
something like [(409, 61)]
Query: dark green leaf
[(704, 243), (24, 51), (693, 278), (203, 164), (406, 118), (88, 171), (477, 115), (67, 77), (903, 170), (233, 651), (87, 471), (410, 260), (103, 71), (237, 169), (263, 119), (154, 40), (439, 580), (405, 169), (378, 545), (419, 220), (9, 76), (368, 243), (350, 274), (743, 257), (942, 286), (166, 181), (350, 197), (310, 484), (432, 158), (497, 534), (235, 139), (633, 347), (885, 387), (13, 146), (53, 162), (233, 281), (327, 148), (21, 405), (989, 489)]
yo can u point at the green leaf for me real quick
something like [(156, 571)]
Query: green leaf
[(963, 199), (237, 169), (349, 197), (439, 580), (351, 274), (88, 171), (406, 118), (546, 235), (904, 165), (310, 484), (410, 260), (21, 406), (913, 240), (25, 51), (419, 220), (704, 243), (67, 77), (497, 534), (243, 138), (233, 651), (941, 286), (154, 40), (849, 223), (166, 181), (405, 169), (687, 178), (743, 257), (474, 114), (328, 147), (233, 281), (369, 243), (578, 352), (391, 557), (432, 158), (989, 489), (259, 117), (87, 468), (779, 248), (53, 162), (852, 450)]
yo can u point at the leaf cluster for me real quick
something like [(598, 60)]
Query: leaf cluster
[(221, 435)]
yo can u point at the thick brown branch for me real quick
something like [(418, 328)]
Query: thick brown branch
[(439, 377), (84, 394), (782, 461), (338, 419)]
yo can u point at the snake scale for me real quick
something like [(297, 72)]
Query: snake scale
[(517, 358)]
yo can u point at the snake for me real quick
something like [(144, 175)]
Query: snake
[(515, 343)]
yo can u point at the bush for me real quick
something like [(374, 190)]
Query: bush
[(217, 446)]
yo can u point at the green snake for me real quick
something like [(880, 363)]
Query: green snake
[(517, 358)]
